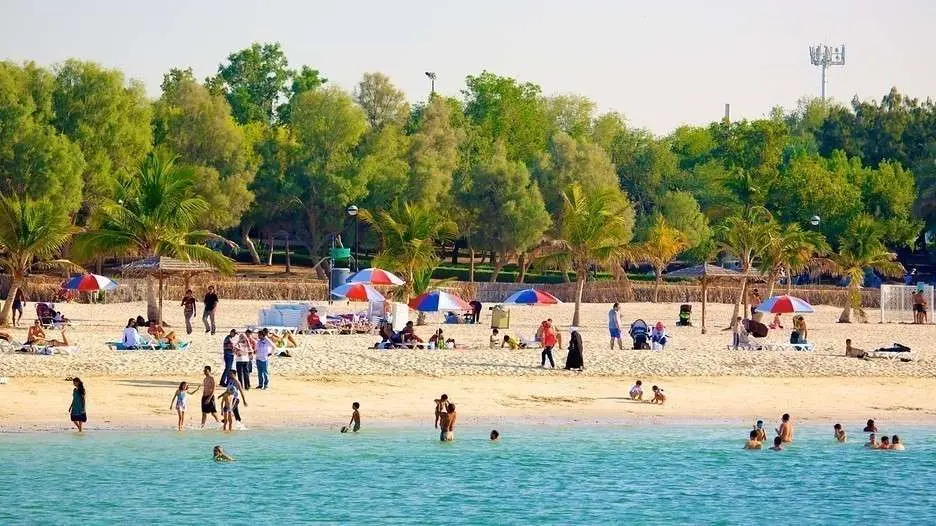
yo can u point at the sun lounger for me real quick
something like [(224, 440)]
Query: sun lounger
[(785, 346), (530, 343), (894, 352), (148, 346), (47, 350)]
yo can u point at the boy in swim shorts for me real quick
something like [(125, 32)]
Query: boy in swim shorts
[(355, 423)]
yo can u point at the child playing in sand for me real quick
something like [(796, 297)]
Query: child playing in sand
[(220, 456), (840, 434), (495, 339), (355, 423), (179, 401), (510, 342), (658, 396), (636, 392)]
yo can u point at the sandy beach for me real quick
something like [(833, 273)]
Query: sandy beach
[(702, 377)]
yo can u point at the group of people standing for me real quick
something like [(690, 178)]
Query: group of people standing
[(241, 351)]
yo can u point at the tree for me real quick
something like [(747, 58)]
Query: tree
[(663, 243), (789, 251), (745, 238), (433, 155), (152, 214), (501, 192), (383, 103), (568, 161), (197, 126), (570, 114), (32, 233), (682, 212), (328, 126), (36, 161), (596, 228), (253, 80), (860, 249), (508, 111), (408, 236), (107, 117)]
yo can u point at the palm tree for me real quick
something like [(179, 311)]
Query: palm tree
[(595, 228), (31, 234), (789, 251), (153, 214), (861, 248), (746, 238), (662, 246), (408, 236)]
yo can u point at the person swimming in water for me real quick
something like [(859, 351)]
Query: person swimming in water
[(785, 431), (495, 435), (885, 443), (447, 423), (752, 442), (895, 443), (777, 444), (872, 442), (840, 434), (870, 427), (761, 432), (220, 456)]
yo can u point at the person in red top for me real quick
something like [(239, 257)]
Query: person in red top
[(313, 320), (549, 341)]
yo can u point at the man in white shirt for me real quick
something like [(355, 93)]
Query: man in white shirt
[(264, 348), (614, 325)]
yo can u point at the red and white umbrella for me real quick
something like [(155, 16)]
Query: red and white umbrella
[(90, 282), (784, 304), (376, 276), (358, 292)]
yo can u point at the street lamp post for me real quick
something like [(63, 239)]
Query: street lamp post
[(814, 221), (432, 79), (353, 212)]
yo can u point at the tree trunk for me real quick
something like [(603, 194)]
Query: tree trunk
[(471, 265), (245, 237), (15, 285), (657, 283), (99, 265), (270, 257), (579, 289), (152, 304), (522, 263), (288, 263), (737, 305), (499, 262), (159, 316)]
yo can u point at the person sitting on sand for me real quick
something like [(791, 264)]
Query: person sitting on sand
[(159, 334), (885, 443), (776, 323), (313, 320), (854, 352), (895, 443), (495, 435), (286, 340), (870, 427), (761, 432), (495, 338), (658, 336), (409, 334), (658, 396), (785, 431), (512, 343), (437, 340), (840, 434), (872, 442), (777, 444), (636, 392), (752, 442), (220, 456), (36, 334)]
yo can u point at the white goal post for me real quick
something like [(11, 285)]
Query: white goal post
[(897, 303)]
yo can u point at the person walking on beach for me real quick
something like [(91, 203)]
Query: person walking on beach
[(575, 360), (242, 352), (264, 348), (755, 301), (549, 341), (208, 311), (785, 431), (19, 303), (180, 401), (188, 309), (78, 410), (207, 399), (355, 423), (614, 325), (227, 349), (448, 424)]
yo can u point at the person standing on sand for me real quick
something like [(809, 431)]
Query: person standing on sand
[(614, 325), (19, 303), (263, 350), (227, 349), (188, 309), (755, 301), (77, 409), (179, 400), (575, 361), (207, 399), (549, 341), (208, 311), (448, 424), (242, 353), (785, 431)]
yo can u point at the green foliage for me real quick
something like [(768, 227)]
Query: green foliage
[(383, 103), (661, 246), (570, 114), (254, 79), (859, 249), (433, 156), (568, 161), (508, 111), (682, 212)]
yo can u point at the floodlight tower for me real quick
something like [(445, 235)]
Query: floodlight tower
[(824, 56)]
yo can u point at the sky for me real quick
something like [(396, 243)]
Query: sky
[(660, 63)]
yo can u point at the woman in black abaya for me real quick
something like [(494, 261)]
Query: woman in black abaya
[(574, 360)]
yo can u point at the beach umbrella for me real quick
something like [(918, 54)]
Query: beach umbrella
[(90, 282), (358, 292), (532, 297), (437, 301), (376, 276), (784, 304)]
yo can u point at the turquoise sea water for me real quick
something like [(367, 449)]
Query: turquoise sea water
[(541, 475)]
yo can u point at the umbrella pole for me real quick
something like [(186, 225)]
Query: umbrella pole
[(704, 300)]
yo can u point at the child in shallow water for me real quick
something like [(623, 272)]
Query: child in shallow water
[(220, 456), (840, 433)]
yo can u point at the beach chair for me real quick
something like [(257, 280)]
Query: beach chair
[(747, 343), (895, 352), (685, 316), (530, 343), (640, 334)]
